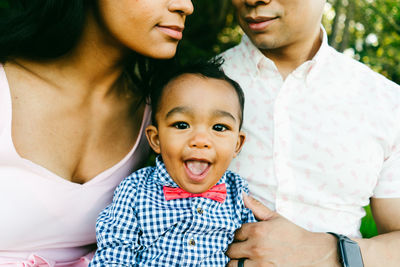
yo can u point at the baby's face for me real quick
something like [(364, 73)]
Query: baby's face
[(198, 130)]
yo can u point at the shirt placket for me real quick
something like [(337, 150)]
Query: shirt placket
[(282, 146), (191, 238), (269, 78)]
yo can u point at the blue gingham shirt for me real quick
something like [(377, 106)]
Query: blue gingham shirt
[(141, 228)]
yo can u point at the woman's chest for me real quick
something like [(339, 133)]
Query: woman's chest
[(74, 141)]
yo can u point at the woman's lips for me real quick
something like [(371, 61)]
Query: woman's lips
[(175, 32), (260, 24)]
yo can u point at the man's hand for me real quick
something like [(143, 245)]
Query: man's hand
[(275, 241)]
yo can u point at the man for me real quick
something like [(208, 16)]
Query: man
[(323, 141)]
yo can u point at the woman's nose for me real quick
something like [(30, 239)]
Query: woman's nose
[(184, 7)]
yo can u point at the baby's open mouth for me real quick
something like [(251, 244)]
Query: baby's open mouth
[(197, 167)]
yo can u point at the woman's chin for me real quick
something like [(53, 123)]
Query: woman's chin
[(164, 52)]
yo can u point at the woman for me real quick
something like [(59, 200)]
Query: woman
[(72, 116)]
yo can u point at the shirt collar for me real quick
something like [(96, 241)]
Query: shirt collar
[(257, 60), (322, 51), (162, 177)]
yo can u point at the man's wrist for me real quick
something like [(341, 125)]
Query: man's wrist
[(348, 251), (319, 249)]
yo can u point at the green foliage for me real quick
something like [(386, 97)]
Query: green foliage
[(367, 30), (368, 227), (209, 31), (3, 3)]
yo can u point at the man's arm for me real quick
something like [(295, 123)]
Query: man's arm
[(383, 250), (275, 241)]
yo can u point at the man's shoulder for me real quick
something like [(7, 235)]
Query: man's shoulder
[(356, 70), (229, 53), (233, 54)]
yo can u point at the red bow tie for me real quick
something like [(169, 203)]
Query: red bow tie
[(217, 193)]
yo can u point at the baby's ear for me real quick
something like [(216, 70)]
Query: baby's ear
[(153, 138), (239, 143)]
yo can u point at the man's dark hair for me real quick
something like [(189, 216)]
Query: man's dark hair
[(207, 69)]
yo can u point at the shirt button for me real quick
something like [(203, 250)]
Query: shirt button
[(192, 242), (199, 210)]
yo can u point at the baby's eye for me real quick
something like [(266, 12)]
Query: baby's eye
[(180, 125), (220, 128)]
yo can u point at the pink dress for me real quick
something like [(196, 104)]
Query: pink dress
[(46, 220)]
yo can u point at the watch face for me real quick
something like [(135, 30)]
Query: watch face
[(351, 254)]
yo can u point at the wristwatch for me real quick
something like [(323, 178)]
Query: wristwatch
[(349, 251)]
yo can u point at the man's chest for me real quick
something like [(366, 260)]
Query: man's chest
[(328, 139)]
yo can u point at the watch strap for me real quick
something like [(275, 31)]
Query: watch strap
[(349, 251)]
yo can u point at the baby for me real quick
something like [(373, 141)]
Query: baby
[(185, 210)]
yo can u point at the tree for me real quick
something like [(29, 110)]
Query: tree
[(368, 30)]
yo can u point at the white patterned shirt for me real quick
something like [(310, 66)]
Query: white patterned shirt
[(321, 142), (141, 228)]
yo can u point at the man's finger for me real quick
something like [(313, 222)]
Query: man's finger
[(232, 263), (260, 211), (238, 250), (243, 232), (235, 263)]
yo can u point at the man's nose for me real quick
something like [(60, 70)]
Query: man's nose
[(257, 2)]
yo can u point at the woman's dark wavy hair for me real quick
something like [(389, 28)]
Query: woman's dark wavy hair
[(48, 29), (40, 29)]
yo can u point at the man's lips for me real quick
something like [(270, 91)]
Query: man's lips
[(259, 23), (173, 31)]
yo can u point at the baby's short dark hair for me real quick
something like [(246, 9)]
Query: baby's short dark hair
[(207, 69)]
